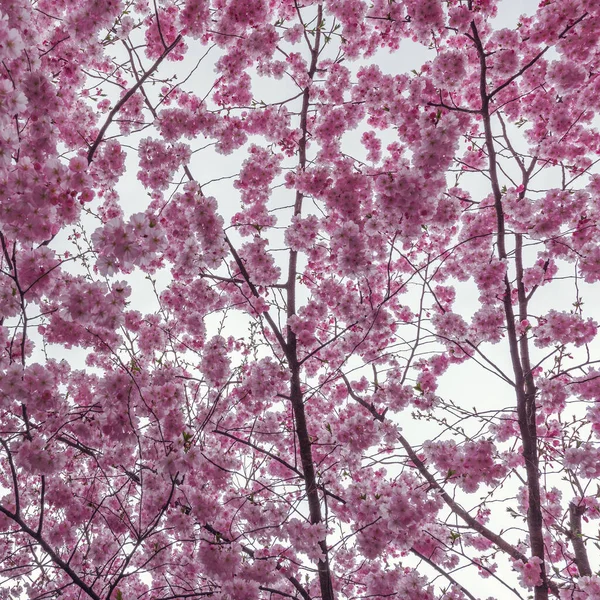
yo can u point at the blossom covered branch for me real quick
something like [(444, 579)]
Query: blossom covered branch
[(285, 316)]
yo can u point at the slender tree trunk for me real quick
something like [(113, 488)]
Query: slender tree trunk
[(519, 347), (296, 396)]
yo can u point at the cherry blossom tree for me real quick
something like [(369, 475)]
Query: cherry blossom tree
[(244, 254)]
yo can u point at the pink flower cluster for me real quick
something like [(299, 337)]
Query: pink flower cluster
[(587, 387), (564, 328), (263, 382), (487, 325), (348, 244), (449, 69), (302, 233), (11, 42), (392, 513), (584, 459), (215, 363), (121, 246), (450, 326), (259, 262), (566, 75), (553, 394), (159, 161), (34, 457), (530, 573), (305, 537), (468, 465), (590, 586)]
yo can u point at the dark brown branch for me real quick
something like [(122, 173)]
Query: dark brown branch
[(42, 499), (457, 509), (249, 552), (77, 445), (536, 57), (5, 251), (296, 394), (369, 406), (443, 573), (581, 557), (524, 385), (244, 272), (125, 98), (13, 473), (61, 564)]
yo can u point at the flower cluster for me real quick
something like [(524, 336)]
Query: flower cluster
[(121, 246), (159, 161), (468, 465), (564, 328), (585, 460), (215, 363), (530, 573)]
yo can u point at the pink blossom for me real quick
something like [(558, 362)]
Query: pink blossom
[(449, 68), (564, 328), (530, 572), (584, 459), (566, 74), (272, 260)]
